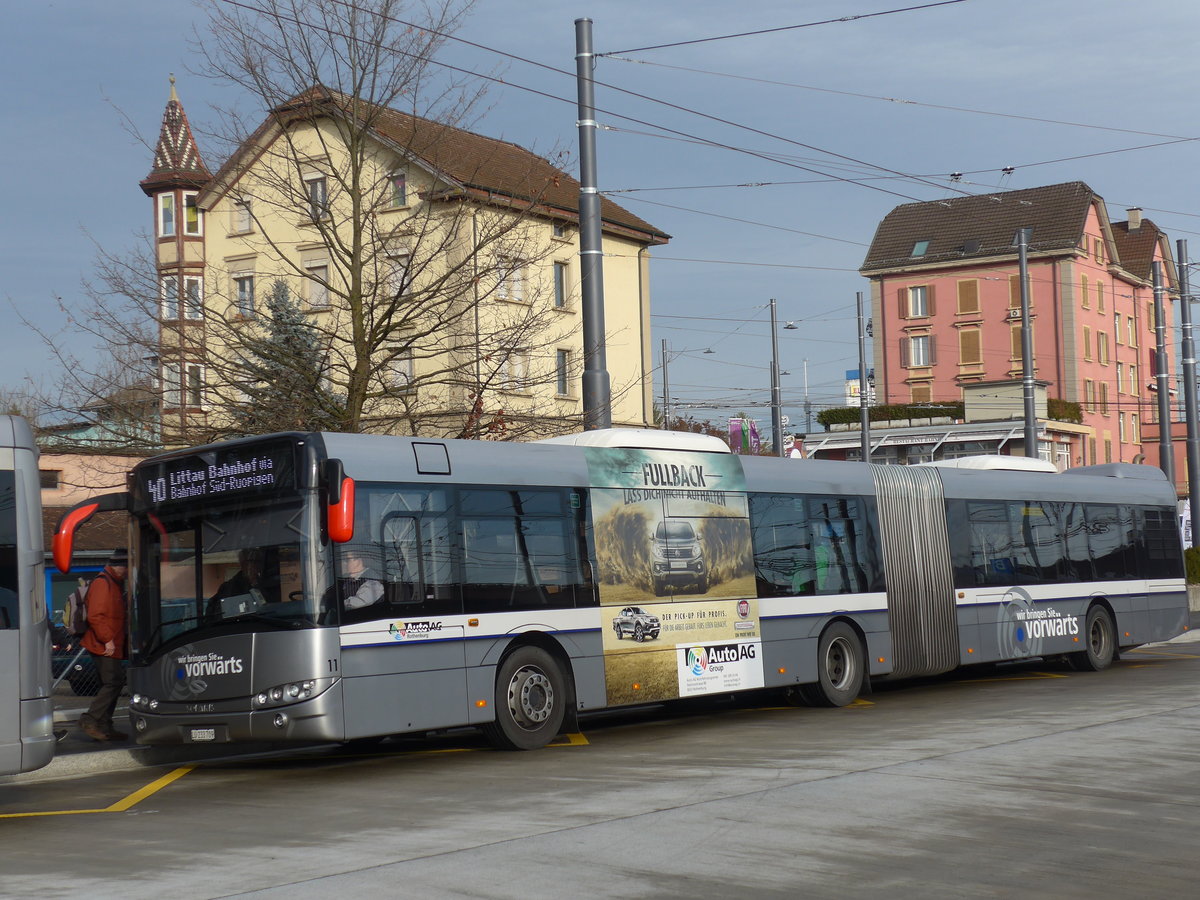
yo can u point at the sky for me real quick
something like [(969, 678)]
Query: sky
[(769, 143)]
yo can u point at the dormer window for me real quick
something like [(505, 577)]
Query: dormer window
[(920, 248), (398, 186)]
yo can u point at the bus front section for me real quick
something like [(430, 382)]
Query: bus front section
[(233, 634)]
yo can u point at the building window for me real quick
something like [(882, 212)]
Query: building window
[(168, 298), (970, 350), (920, 248), (1089, 395), (560, 285), (1085, 296), (1102, 348), (1100, 296), (397, 277), (968, 296), (513, 373), (1104, 398), (49, 479), (917, 351), (318, 285), (1131, 331), (918, 302), (562, 366), (1098, 250), (922, 393), (1014, 291), (510, 279), (316, 190), (1087, 342), (398, 189), (166, 215), (400, 371), (1120, 377), (1121, 428), (1150, 317), (243, 289), (193, 296), (1092, 451), (1133, 383), (559, 230), (1108, 450), (1135, 432), (195, 385), (183, 383), (191, 216), (243, 219)]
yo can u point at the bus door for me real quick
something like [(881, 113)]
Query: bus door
[(415, 673), (920, 582)]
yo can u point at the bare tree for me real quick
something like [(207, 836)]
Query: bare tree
[(417, 248)]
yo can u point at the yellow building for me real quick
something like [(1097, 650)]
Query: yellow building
[(434, 272)]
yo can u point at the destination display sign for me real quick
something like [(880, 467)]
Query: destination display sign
[(217, 475)]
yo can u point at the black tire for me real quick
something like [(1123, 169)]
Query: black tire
[(531, 701), (841, 668), (638, 634), (620, 633), (1100, 642), (659, 588)]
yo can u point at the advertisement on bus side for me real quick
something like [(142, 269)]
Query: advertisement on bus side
[(675, 573)]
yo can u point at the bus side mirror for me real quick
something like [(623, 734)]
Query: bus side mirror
[(63, 543), (340, 510)]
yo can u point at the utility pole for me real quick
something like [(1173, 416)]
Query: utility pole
[(597, 393), (1162, 377), (864, 414), (807, 403), (1189, 389), (776, 400), (666, 425), (1027, 387)]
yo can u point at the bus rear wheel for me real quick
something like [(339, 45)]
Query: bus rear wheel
[(840, 668), (531, 697), (1100, 645)]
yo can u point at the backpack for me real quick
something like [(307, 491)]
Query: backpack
[(75, 610)]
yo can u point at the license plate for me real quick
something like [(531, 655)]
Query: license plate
[(203, 734), (677, 564)]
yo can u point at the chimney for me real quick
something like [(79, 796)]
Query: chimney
[(1135, 218)]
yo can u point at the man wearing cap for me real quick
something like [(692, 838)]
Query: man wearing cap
[(105, 640)]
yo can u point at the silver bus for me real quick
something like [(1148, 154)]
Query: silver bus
[(26, 711), (329, 587)]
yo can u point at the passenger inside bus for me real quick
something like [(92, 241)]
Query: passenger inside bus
[(245, 590)]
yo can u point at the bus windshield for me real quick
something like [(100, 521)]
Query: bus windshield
[(223, 570)]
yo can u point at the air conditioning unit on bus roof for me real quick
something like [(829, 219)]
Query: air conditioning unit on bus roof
[(642, 439)]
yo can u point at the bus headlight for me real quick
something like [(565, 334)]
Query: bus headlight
[(292, 692)]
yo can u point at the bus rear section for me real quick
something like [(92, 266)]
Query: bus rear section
[(26, 710)]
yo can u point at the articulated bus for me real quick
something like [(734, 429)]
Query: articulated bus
[(329, 587), (26, 711)]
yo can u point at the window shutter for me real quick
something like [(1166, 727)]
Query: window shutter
[(1014, 291), (968, 296), (932, 350), (902, 302), (929, 307), (969, 349), (906, 352)]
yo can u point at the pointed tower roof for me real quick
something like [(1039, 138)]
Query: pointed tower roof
[(177, 160)]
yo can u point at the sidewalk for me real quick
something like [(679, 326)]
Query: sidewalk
[(77, 754)]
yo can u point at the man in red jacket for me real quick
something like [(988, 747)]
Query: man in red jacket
[(105, 640)]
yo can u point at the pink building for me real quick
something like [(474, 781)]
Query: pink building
[(946, 307)]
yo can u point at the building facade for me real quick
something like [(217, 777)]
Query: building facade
[(435, 273), (946, 306)]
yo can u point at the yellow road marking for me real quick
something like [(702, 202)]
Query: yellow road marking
[(121, 805), (1032, 676), (860, 702), (572, 740)]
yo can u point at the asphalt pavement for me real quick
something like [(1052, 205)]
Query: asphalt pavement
[(77, 754)]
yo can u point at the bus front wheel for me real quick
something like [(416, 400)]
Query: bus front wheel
[(1099, 635), (840, 668), (531, 697)]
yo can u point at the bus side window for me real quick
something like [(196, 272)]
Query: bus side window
[(402, 581)]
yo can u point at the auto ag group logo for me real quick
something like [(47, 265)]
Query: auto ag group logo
[(743, 608), (697, 660)]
